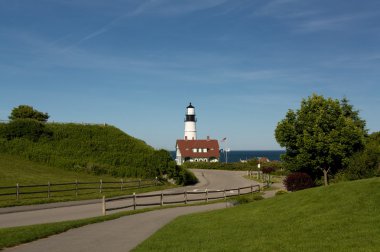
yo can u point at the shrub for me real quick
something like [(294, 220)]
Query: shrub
[(236, 166), (183, 176), (257, 197), (186, 177), (28, 112), (246, 199), (268, 170), (298, 181), (366, 163), (281, 192), (26, 128)]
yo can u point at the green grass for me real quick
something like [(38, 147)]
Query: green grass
[(13, 236), (341, 217), (99, 149), (15, 170), (17, 235)]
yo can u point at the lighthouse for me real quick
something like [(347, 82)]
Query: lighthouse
[(190, 123), (191, 149)]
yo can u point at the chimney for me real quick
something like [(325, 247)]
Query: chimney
[(208, 138), (185, 137)]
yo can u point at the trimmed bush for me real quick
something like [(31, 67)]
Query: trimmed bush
[(298, 181)]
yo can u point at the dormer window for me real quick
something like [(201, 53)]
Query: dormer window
[(195, 150)]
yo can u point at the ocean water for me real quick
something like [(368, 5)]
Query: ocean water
[(236, 156)]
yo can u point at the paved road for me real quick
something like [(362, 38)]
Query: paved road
[(122, 234), (210, 179)]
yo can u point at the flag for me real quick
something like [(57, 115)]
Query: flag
[(224, 139)]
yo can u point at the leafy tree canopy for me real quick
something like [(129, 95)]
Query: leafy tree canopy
[(366, 163), (28, 112), (320, 136)]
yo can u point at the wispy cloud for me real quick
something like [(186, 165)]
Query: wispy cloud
[(309, 16), (152, 7), (173, 7), (278, 8), (332, 23)]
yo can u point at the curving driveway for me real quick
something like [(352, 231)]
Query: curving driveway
[(29, 215)]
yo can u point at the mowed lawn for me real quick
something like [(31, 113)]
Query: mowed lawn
[(340, 217), (15, 170)]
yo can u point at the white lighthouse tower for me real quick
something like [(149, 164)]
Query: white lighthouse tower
[(190, 121)]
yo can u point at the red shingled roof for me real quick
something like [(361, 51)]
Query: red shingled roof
[(186, 148)]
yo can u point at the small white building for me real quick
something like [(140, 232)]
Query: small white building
[(190, 149)]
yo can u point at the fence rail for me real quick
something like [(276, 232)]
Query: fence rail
[(130, 201), (18, 190)]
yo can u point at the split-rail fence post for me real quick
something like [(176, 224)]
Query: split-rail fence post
[(17, 191), (100, 186), (104, 205), (48, 192), (134, 201), (76, 188)]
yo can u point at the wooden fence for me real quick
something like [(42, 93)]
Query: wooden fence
[(160, 199), (75, 187)]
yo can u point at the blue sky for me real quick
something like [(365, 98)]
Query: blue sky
[(137, 64)]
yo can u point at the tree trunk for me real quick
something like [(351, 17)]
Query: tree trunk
[(325, 176)]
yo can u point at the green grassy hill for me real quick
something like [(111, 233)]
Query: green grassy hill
[(341, 217), (97, 149), (14, 170)]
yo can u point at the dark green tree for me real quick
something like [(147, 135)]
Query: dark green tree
[(321, 136), (366, 163), (28, 112)]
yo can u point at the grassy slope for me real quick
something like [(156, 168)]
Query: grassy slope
[(94, 148), (341, 217), (15, 170)]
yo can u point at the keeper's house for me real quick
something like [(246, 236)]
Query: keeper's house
[(190, 149)]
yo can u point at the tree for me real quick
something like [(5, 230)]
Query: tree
[(321, 136), (28, 112), (366, 163)]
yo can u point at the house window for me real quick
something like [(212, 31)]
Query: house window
[(204, 150), (195, 150)]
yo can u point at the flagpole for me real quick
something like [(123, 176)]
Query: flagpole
[(225, 149)]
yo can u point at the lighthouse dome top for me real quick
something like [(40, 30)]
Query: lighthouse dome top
[(190, 106)]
